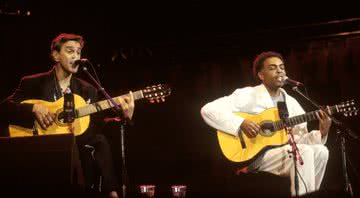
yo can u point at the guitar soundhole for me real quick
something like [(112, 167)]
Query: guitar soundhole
[(61, 115), (267, 128)]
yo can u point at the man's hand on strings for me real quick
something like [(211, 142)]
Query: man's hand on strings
[(324, 122), (43, 116), (250, 128), (127, 104)]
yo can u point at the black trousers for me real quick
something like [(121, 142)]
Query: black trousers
[(102, 161)]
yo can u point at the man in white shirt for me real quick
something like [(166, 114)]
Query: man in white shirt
[(269, 68)]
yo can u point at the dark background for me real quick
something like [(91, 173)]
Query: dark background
[(203, 51)]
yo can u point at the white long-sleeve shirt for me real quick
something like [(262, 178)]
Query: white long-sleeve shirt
[(219, 113)]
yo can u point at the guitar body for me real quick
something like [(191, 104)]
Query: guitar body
[(231, 147), (79, 125)]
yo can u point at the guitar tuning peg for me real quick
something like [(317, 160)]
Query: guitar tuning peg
[(162, 99), (152, 101)]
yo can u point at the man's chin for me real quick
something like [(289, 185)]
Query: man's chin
[(74, 69), (279, 83)]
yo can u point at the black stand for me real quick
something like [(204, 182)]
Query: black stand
[(348, 187), (123, 168), (342, 131), (124, 119)]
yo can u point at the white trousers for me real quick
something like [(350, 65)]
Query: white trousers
[(310, 174)]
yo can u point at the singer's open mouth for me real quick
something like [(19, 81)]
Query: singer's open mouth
[(280, 78)]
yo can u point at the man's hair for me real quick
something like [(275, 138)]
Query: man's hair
[(62, 38), (258, 63)]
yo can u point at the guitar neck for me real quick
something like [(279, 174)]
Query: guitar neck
[(104, 104), (301, 118)]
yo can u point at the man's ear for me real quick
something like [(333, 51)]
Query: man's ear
[(55, 55), (260, 75)]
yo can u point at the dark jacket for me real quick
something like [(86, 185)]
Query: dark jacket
[(42, 86)]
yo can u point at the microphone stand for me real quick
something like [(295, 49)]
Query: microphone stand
[(294, 153), (341, 130), (296, 157), (124, 120)]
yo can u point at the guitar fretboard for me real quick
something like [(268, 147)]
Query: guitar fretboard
[(279, 125), (104, 104)]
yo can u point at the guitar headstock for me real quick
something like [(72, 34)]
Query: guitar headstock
[(347, 108), (157, 93)]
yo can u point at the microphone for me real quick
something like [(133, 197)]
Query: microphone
[(81, 61), (283, 111), (69, 108), (292, 82)]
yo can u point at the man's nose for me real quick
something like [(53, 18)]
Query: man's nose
[(280, 70)]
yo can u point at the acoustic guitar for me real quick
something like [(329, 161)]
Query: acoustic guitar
[(272, 134), (155, 93)]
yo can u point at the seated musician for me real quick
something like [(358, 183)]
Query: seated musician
[(51, 86), (269, 70)]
